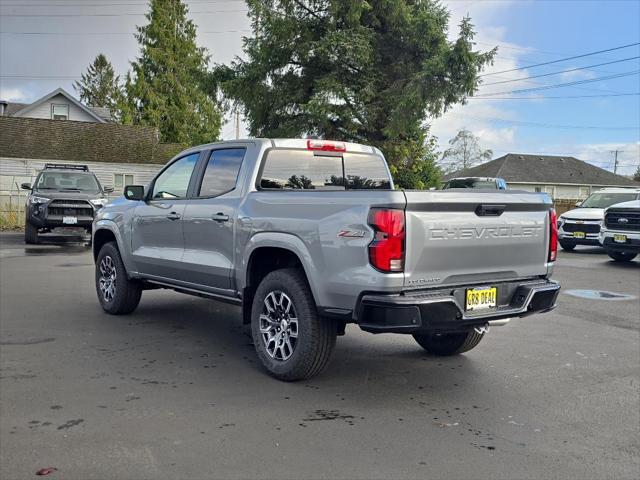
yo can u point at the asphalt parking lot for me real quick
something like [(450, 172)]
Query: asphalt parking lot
[(175, 390)]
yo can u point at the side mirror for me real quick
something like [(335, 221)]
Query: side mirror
[(578, 204), (134, 192), (107, 189), (25, 186)]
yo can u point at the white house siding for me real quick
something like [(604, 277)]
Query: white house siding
[(14, 171), (44, 110), (560, 192)]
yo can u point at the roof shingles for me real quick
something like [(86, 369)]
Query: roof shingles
[(547, 169)]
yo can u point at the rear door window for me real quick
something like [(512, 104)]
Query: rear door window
[(221, 173)]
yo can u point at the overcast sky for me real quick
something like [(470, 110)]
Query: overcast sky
[(45, 44)]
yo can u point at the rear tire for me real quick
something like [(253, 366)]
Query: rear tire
[(621, 256), (117, 294), (567, 246), (30, 234), (448, 343), (291, 340)]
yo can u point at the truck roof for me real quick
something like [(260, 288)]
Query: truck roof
[(297, 143)]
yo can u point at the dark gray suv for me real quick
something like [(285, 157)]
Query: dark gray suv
[(63, 200)]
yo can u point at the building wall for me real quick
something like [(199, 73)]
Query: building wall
[(44, 110), (559, 192)]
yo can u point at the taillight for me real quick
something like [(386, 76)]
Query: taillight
[(326, 146), (386, 251), (553, 235)]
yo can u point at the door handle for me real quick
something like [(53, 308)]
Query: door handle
[(173, 216), (220, 217)]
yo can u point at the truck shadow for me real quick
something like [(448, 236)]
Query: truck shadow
[(207, 339)]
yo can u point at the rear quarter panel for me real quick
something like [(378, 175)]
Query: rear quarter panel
[(308, 223)]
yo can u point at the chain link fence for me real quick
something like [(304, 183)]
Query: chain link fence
[(12, 201)]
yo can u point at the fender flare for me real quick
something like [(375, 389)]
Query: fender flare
[(285, 241), (111, 226)]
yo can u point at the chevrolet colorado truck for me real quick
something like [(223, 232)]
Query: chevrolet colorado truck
[(307, 236)]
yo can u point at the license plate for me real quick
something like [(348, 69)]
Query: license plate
[(578, 235), (479, 298), (618, 238), (69, 220)]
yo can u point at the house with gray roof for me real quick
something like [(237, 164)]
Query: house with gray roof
[(560, 177), (56, 105)]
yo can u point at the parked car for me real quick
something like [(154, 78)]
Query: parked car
[(309, 235), (63, 200), (476, 182), (581, 226), (620, 232)]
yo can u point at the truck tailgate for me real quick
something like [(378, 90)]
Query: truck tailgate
[(469, 237)]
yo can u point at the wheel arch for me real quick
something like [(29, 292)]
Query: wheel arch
[(105, 231), (264, 255)]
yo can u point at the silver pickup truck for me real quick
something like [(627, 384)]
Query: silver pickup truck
[(309, 235)]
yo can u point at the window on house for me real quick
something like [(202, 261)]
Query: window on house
[(121, 180), (538, 189), (584, 192), (60, 112), (551, 191)]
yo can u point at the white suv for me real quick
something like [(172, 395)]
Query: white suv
[(581, 226)]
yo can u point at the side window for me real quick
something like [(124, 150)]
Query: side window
[(222, 172), (174, 181), (301, 170)]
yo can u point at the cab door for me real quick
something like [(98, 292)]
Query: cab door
[(157, 228), (210, 220)]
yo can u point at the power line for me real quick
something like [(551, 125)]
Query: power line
[(542, 125), (47, 15), (569, 84), (562, 71), (556, 97), (113, 33), (563, 59)]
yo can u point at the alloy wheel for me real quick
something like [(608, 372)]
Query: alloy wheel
[(279, 325), (107, 281)]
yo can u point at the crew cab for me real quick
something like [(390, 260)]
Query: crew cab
[(620, 232), (309, 235), (581, 226)]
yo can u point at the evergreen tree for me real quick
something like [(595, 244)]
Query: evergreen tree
[(164, 89), (100, 86), (636, 175), (364, 71)]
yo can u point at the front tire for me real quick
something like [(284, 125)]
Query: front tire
[(117, 294), (291, 340), (30, 234), (448, 343), (621, 256), (567, 246)]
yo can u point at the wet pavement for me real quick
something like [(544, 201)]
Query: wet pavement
[(175, 390)]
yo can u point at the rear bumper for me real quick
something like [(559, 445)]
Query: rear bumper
[(442, 310)]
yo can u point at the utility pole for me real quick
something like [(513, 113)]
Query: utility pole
[(237, 124), (615, 159)]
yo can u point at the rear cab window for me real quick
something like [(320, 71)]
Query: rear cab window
[(291, 169)]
